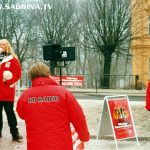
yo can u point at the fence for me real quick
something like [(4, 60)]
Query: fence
[(95, 81)]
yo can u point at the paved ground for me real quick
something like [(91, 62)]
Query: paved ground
[(93, 110)]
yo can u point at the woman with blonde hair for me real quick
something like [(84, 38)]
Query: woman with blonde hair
[(6, 47), (10, 73)]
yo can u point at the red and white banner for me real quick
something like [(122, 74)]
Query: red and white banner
[(69, 80), (77, 144)]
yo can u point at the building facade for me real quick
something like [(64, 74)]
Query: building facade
[(140, 45)]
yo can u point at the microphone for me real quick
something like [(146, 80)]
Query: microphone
[(1, 54), (1, 50), (1, 57)]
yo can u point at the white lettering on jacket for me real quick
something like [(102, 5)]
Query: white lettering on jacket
[(41, 99)]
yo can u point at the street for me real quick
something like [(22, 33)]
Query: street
[(101, 97)]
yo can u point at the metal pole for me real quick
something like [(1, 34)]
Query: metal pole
[(60, 73)]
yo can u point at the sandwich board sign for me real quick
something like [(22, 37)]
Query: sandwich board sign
[(116, 119)]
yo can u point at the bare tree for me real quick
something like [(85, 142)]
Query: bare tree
[(17, 25), (5, 20), (58, 24), (24, 35), (108, 24)]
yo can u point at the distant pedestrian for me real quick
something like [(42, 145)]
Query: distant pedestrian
[(48, 109), (10, 72)]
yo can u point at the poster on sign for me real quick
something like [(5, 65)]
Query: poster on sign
[(121, 118)]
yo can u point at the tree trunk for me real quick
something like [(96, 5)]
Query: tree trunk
[(106, 76)]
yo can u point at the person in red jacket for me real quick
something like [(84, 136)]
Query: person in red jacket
[(148, 97), (48, 109), (10, 72)]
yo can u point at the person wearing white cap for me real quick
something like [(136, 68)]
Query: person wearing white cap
[(10, 73)]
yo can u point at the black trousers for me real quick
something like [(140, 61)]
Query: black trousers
[(12, 121)]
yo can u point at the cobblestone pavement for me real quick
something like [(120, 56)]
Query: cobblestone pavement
[(92, 110)]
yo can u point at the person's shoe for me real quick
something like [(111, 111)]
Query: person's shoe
[(17, 138), (0, 134)]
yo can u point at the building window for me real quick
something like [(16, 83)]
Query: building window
[(149, 25)]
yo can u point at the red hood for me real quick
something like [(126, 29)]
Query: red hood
[(42, 81)]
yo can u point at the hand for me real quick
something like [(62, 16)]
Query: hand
[(11, 86), (4, 80)]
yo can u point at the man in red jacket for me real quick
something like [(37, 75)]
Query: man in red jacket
[(10, 72), (48, 109)]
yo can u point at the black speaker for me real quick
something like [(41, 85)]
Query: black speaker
[(68, 54), (58, 53), (51, 52)]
